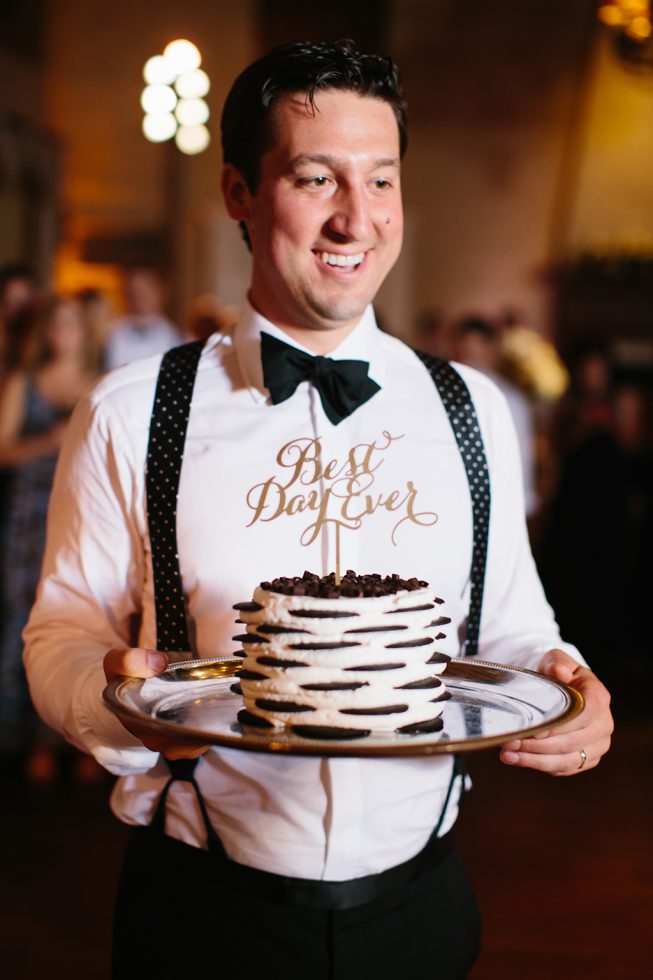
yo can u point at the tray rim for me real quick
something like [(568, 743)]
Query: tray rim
[(295, 745)]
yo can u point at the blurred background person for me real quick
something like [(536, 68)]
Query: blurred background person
[(429, 335), (207, 315), (475, 342), (17, 296), (633, 422), (586, 409), (144, 329), (98, 315), (583, 552), (59, 362)]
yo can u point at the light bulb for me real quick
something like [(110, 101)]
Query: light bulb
[(639, 28), (157, 71), (193, 84), (192, 112), (610, 15), (192, 139), (158, 98), (182, 56), (160, 127)]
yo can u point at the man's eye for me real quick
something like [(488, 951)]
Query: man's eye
[(382, 184), (319, 181)]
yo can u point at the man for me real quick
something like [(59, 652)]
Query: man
[(313, 135), (144, 329)]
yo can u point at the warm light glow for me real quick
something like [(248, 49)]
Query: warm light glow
[(640, 28), (192, 112), (192, 139), (536, 362), (158, 98), (71, 274), (633, 17), (182, 56), (160, 127), (157, 71), (193, 84), (610, 15)]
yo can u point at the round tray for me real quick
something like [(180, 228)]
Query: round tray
[(490, 704)]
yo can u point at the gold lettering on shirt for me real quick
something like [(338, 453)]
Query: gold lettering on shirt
[(338, 492)]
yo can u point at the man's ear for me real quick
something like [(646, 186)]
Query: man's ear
[(236, 193)]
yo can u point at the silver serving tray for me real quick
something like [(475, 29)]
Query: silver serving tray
[(490, 704)]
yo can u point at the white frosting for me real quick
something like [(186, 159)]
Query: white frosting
[(282, 682)]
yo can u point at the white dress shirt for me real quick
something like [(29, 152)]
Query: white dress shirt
[(254, 478), (134, 337)]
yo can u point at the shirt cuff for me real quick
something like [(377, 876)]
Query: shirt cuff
[(99, 732)]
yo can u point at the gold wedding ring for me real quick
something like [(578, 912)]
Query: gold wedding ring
[(583, 758)]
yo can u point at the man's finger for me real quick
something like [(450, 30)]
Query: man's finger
[(558, 744), (558, 763), (134, 662), (558, 664), (563, 764)]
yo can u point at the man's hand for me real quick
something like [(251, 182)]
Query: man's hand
[(578, 745), (136, 662)]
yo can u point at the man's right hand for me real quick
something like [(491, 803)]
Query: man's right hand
[(136, 662)]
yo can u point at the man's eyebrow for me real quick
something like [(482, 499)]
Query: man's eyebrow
[(326, 160)]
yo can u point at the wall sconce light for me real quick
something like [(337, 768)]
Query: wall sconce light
[(173, 98), (630, 22)]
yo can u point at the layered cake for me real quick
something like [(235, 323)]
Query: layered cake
[(345, 660)]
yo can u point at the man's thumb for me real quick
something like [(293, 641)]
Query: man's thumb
[(134, 662), (558, 664)]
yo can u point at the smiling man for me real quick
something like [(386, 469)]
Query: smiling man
[(325, 222), (308, 438)]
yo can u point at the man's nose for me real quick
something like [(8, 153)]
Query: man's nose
[(352, 214)]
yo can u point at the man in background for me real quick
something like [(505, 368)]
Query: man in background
[(144, 329), (476, 342)]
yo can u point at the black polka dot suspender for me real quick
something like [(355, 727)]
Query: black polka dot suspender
[(464, 422), (168, 427), (165, 452)]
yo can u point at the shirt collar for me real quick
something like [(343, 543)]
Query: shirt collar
[(362, 344)]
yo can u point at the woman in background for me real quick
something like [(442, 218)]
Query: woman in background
[(60, 360)]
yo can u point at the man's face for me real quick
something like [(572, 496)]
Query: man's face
[(17, 295), (326, 219), (143, 292)]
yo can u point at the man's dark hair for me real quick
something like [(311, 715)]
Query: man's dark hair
[(475, 325), (307, 67), (14, 270)]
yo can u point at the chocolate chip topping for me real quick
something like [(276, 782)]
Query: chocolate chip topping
[(352, 585)]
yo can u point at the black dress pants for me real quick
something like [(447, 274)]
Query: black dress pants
[(175, 918)]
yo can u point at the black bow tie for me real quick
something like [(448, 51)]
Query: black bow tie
[(342, 385)]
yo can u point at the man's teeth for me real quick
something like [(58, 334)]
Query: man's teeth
[(330, 259)]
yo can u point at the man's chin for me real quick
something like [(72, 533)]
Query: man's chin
[(336, 316)]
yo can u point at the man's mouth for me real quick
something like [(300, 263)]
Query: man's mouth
[(341, 261)]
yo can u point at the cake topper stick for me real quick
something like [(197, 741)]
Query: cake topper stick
[(337, 553)]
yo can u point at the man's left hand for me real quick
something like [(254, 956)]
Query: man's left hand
[(578, 745)]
